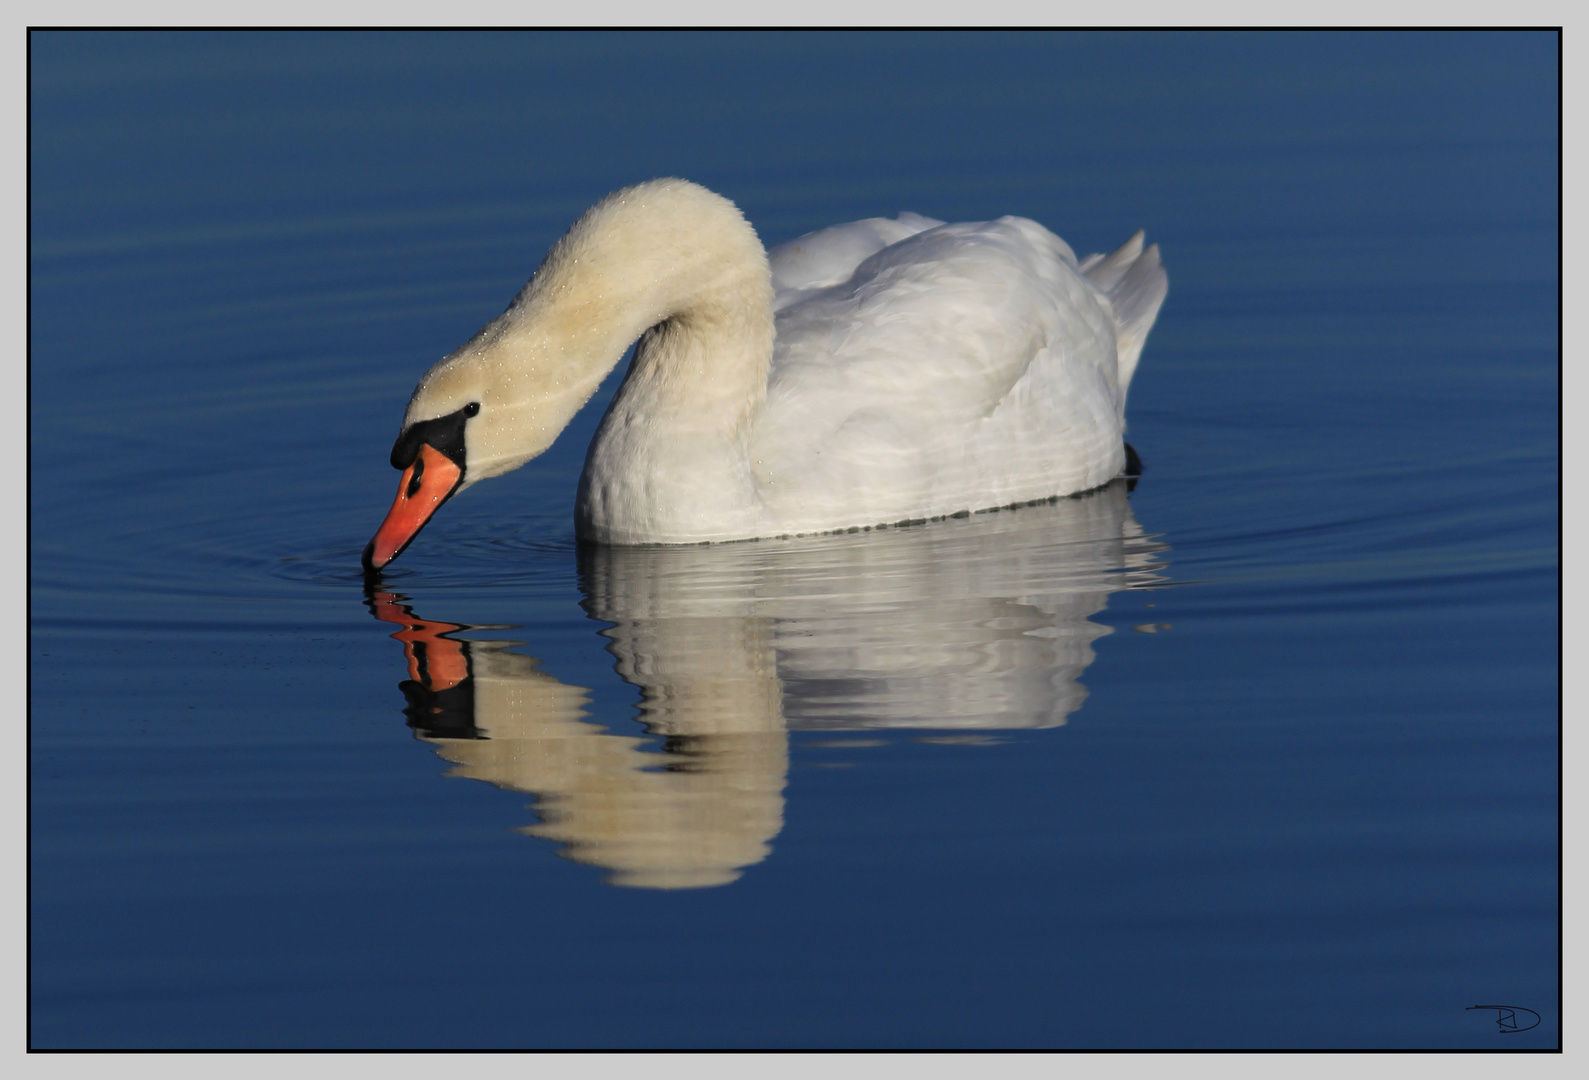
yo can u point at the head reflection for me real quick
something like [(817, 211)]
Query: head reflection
[(975, 624)]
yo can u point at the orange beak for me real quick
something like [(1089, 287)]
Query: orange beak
[(426, 484)]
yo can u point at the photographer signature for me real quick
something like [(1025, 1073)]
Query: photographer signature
[(1507, 1019)]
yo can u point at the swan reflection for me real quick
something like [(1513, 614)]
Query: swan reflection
[(964, 625)]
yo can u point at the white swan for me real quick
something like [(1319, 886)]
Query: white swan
[(866, 374)]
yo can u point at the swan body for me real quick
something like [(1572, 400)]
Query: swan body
[(866, 374)]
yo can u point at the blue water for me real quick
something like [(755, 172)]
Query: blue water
[(1261, 753)]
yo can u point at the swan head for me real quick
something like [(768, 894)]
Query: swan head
[(479, 413), (434, 457)]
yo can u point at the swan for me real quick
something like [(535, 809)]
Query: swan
[(872, 373)]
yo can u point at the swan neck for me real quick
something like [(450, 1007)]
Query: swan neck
[(666, 259), (670, 261), (682, 270)]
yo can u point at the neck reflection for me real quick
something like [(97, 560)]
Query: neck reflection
[(972, 625)]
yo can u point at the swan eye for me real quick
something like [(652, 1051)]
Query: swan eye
[(472, 409)]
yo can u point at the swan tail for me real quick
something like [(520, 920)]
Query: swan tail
[(1133, 279)]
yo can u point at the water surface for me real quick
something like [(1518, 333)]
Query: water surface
[(1261, 753)]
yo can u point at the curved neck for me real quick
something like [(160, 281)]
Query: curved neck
[(674, 262), (665, 259), (679, 268)]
